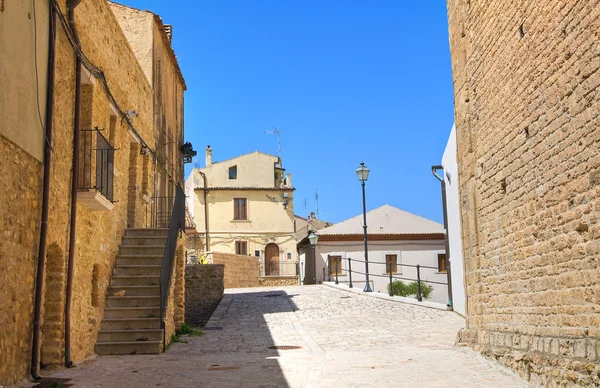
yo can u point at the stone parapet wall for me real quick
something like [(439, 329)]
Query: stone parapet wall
[(240, 271), (279, 281), (527, 103), (204, 288)]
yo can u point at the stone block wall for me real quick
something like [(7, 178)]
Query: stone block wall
[(20, 202), (279, 281), (527, 104), (204, 285), (240, 271)]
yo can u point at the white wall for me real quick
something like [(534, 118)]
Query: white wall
[(449, 161), (409, 253)]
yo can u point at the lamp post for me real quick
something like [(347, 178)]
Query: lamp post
[(313, 238), (363, 173)]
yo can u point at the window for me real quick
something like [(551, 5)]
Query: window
[(442, 263), (233, 172), (241, 248), (335, 262), (240, 210), (393, 260), (257, 253)]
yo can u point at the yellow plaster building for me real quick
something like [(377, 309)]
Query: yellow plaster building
[(250, 210)]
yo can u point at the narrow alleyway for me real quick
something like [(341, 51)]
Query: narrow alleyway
[(344, 340)]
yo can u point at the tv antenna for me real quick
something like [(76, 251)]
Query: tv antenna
[(317, 200), (276, 133)]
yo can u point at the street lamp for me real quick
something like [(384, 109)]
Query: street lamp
[(363, 173), (313, 238)]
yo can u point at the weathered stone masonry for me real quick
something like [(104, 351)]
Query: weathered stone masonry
[(203, 291), (527, 105)]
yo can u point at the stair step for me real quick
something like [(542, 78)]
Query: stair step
[(135, 290), (129, 347), (147, 232), (132, 312), (139, 260), (144, 240), (137, 270), (130, 280), (133, 301), (130, 323), (142, 249), (142, 335)]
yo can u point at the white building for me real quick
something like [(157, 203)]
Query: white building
[(449, 162), (394, 235)]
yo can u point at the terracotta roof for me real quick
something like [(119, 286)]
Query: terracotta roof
[(233, 188)]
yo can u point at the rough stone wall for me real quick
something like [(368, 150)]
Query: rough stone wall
[(204, 290), (240, 271), (279, 281), (526, 88), (20, 205), (175, 313)]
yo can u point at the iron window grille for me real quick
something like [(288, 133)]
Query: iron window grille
[(97, 159)]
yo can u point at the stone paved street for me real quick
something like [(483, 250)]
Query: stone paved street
[(346, 340)]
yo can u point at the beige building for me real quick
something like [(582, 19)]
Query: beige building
[(78, 153), (527, 104), (394, 236), (250, 210)]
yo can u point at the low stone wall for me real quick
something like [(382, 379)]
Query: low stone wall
[(279, 281), (203, 291), (240, 271)]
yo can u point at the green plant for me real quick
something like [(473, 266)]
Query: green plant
[(399, 288), (186, 329)]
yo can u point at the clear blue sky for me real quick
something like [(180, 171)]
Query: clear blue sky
[(344, 81)]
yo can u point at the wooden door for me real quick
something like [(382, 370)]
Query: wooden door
[(271, 260)]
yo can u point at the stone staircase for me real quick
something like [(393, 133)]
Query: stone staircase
[(131, 323)]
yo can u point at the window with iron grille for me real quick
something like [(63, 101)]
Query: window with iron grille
[(241, 248), (442, 263), (97, 158), (240, 209)]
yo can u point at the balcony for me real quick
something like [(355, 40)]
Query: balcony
[(96, 171)]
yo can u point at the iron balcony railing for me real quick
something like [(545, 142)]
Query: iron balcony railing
[(97, 159), (391, 274), (176, 227)]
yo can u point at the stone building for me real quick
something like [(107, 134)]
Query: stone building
[(250, 210), (86, 247), (527, 105)]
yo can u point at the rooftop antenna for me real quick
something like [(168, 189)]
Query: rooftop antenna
[(317, 200), (305, 208), (276, 133)]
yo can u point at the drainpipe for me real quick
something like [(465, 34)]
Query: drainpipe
[(76, 122), (39, 284), (206, 229), (446, 243)]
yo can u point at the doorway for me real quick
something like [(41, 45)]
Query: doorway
[(272, 259)]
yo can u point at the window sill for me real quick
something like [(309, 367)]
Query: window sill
[(94, 200), (240, 221), (394, 274), (442, 273)]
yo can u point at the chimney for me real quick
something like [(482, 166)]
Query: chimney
[(208, 156), (169, 31), (312, 216)]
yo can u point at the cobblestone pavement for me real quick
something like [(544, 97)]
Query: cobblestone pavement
[(345, 340)]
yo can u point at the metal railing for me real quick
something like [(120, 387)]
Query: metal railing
[(278, 268), (97, 158), (390, 274), (176, 227), (158, 212)]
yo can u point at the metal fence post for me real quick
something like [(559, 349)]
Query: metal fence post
[(350, 272), (323, 278), (336, 272), (391, 288), (302, 273), (419, 297), (329, 268)]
